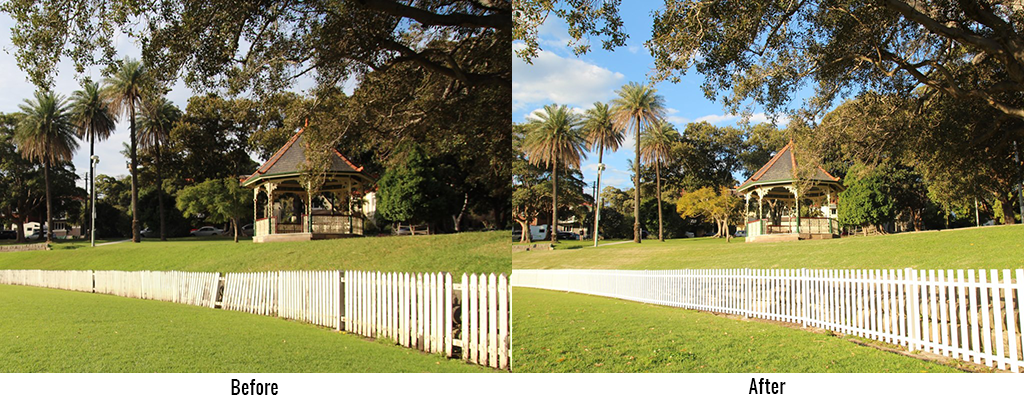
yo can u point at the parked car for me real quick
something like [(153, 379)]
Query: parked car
[(688, 234), (207, 231), (6, 234), (517, 234), (148, 233), (248, 230), (740, 234), (36, 234), (567, 236)]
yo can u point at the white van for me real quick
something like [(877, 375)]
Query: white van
[(538, 232)]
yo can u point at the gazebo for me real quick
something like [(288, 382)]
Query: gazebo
[(777, 195), (285, 211)]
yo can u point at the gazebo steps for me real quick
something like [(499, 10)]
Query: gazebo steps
[(788, 237)]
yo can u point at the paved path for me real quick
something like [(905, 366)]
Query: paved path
[(115, 242), (613, 243)]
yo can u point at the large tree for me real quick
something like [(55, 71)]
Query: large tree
[(218, 201), (46, 135), (553, 140), (655, 145), (600, 132), (157, 119), (125, 89), (94, 120), (765, 50), (637, 107)]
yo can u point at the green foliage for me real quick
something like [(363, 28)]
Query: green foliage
[(105, 333), (585, 19), (867, 200), (415, 191), (217, 201), (211, 141)]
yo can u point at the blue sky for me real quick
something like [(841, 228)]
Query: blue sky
[(558, 76)]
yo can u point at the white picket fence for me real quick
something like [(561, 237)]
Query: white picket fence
[(75, 280), (424, 311), (970, 315)]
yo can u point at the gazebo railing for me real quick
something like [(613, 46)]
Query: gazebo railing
[(337, 224), (788, 225)]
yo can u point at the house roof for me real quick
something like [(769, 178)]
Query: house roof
[(289, 160), (781, 168)]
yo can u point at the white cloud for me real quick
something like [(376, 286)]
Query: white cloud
[(555, 79)]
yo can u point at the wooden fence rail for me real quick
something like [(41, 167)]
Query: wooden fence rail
[(972, 315), (428, 311)]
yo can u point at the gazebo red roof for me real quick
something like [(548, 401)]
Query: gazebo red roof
[(781, 168), (289, 159)]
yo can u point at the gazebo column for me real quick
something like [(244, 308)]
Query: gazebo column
[(270, 187), (828, 209), (255, 207)]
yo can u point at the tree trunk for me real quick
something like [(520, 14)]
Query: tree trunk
[(458, 218), (49, 205), (136, 237), (728, 235), (597, 197), (636, 186), (657, 176), (553, 231), (21, 230), (1007, 205), (525, 236), (87, 225), (160, 194), (234, 224)]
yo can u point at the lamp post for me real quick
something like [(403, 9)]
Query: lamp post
[(597, 202), (95, 159)]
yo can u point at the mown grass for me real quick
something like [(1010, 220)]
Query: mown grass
[(974, 248), (47, 330), (479, 252), (564, 332)]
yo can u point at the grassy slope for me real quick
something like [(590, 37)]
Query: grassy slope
[(980, 248), (61, 331), (481, 252), (562, 332)]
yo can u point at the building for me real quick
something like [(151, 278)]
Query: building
[(774, 195)]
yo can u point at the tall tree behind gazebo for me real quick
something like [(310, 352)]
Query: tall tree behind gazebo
[(94, 120), (126, 89), (46, 134), (638, 107), (601, 134), (655, 146), (553, 140), (157, 117)]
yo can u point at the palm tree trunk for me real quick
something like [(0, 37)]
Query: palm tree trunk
[(91, 186), (553, 232), (597, 200), (160, 192), (657, 175), (636, 187), (49, 205), (135, 177)]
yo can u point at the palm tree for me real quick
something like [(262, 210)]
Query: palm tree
[(601, 134), (553, 140), (637, 107), (93, 119), (655, 146), (45, 134), (125, 90), (155, 122)]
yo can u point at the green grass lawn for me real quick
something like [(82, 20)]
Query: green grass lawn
[(476, 252), (47, 330), (975, 248), (564, 332)]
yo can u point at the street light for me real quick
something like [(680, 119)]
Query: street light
[(92, 186)]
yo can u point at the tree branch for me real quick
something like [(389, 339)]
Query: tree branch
[(500, 21)]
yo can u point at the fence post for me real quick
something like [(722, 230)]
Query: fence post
[(746, 293), (804, 298)]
